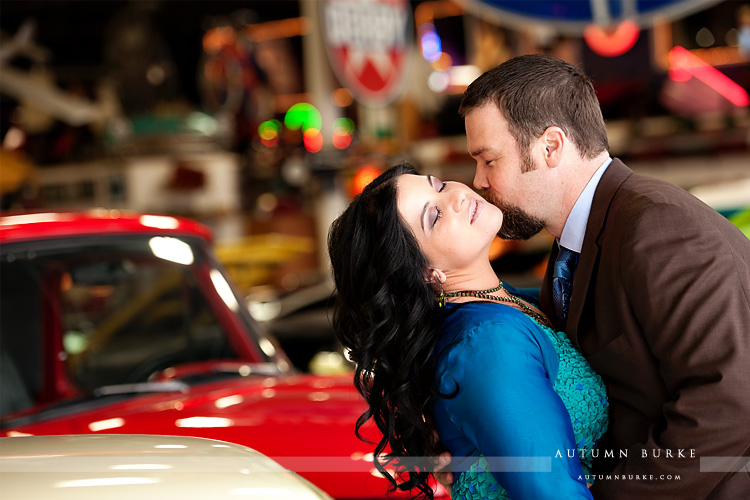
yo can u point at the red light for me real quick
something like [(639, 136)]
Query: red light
[(271, 142), (341, 141), (313, 140), (611, 43), (684, 63)]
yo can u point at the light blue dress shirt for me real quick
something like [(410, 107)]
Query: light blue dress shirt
[(575, 227)]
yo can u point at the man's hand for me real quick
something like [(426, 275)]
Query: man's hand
[(445, 478)]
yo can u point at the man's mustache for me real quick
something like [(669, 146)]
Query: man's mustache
[(517, 224), (490, 197)]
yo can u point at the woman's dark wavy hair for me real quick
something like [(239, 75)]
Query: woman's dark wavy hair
[(386, 314)]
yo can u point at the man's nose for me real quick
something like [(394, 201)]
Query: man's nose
[(480, 178)]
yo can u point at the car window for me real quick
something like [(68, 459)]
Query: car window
[(122, 310), (147, 315), (20, 337)]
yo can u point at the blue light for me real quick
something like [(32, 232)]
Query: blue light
[(432, 47)]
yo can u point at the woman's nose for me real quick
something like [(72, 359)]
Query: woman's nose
[(459, 197)]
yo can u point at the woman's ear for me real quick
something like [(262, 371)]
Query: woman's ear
[(436, 276)]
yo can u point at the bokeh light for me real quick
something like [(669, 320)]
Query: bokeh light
[(444, 63), (303, 115), (343, 129), (216, 39), (362, 177), (432, 47), (685, 65), (343, 97), (438, 81), (313, 140), (612, 42), (341, 141), (269, 132)]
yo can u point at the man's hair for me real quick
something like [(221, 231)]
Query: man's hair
[(534, 92)]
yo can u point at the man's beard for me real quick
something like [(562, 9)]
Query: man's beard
[(517, 224)]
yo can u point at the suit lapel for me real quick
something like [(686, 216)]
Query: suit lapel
[(610, 182)]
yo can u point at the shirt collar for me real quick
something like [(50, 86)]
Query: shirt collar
[(575, 227)]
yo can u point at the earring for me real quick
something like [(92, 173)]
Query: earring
[(441, 297)]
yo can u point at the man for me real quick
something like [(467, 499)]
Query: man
[(660, 300)]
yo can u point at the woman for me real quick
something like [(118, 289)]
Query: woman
[(442, 346)]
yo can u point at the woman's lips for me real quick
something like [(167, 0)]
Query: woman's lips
[(476, 210)]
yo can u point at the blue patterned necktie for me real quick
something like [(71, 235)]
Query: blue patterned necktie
[(562, 281)]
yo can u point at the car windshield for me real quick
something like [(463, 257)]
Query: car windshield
[(124, 309)]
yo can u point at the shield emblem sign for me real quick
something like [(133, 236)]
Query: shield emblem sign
[(369, 43)]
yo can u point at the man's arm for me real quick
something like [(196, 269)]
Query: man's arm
[(688, 285), (441, 475)]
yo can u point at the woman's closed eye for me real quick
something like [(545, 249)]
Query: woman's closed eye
[(438, 212)]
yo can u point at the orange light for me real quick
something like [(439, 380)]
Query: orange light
[(217, 38), (272, 30), (437, 9), (500, 247), (715, 56), (444, 63), (364, 175), (343, 97), (611, 43)]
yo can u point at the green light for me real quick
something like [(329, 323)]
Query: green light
[(343, 125), (303, 115), (269, 127)]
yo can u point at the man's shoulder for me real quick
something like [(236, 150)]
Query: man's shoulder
[(636, 194), (645, 208)]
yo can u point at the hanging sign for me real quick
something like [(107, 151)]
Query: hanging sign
[(369, 43), (572, 16)]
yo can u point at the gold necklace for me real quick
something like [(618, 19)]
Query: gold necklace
[(487, 294)]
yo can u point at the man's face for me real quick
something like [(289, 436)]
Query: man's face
[(505, 176)]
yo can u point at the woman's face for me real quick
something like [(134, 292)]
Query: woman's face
[(453, 225)]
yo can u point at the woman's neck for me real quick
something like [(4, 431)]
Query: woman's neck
[(478, 278)]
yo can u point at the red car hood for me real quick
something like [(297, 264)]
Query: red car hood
[(304, 422)]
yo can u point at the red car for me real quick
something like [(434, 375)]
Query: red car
[(126, 324)]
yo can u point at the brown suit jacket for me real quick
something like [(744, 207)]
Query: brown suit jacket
[(661, 309)]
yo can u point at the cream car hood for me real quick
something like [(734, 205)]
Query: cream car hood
[(137, 467)]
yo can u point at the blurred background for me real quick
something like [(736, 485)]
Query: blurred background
[(262, 119)]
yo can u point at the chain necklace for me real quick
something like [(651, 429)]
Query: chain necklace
[(487, 294)]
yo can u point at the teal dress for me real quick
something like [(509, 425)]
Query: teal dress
[(527, 410)]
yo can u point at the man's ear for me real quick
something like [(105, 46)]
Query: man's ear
[(553, 140)]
